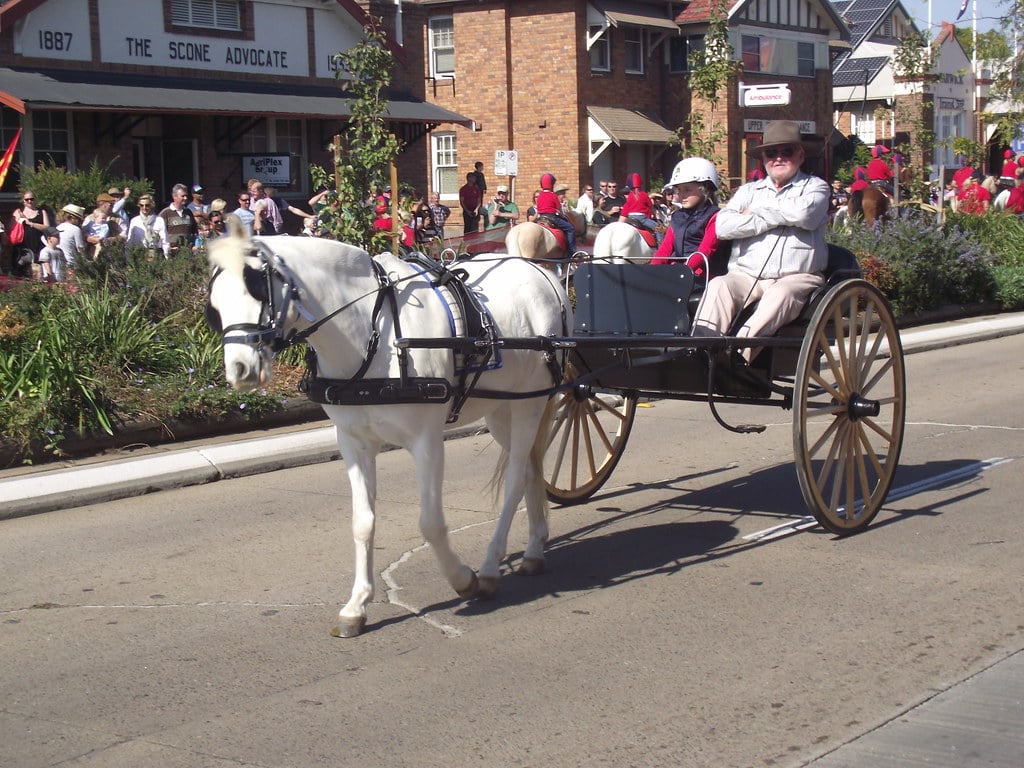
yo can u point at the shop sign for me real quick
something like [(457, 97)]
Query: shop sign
[(272, 170)]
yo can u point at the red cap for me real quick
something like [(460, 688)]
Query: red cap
[(547, 181), (635, 181)]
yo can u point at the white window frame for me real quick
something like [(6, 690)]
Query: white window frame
[(776, 55), (441, 39), (444, 158), (207, 14), (35, 154), (634, 47), (600, 49), (865, 128)]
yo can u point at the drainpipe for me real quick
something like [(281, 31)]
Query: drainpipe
[(399, 39)]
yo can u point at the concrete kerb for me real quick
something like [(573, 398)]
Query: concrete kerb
[(65, 488), (69, 487)]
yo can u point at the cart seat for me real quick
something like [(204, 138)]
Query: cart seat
[(632, 299), (841, 265)]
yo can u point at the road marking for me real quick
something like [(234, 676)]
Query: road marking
[(902, 492)]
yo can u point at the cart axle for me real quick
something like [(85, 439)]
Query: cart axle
[(861, 407)]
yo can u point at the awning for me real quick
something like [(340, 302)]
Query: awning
[(58, 89), (623, 125), (618, 125), (637, 14)]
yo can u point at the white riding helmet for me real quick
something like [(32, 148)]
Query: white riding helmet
[(694, 169)]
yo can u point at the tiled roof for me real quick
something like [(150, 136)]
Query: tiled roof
[(852, 71)]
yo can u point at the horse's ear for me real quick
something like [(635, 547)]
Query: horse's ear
[(228, 252), (235, 227)]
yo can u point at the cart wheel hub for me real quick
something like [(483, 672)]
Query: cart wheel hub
[(860, 407), (582, 392)]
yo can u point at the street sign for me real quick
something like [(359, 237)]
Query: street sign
[(506, 162)]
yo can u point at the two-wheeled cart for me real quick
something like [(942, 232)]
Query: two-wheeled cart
[(838, 367)]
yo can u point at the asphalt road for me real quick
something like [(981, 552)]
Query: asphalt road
[(191, 627)]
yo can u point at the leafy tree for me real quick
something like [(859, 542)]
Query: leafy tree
[(712, 67), (56, 186), (366, 149)]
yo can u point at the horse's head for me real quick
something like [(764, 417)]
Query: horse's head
[(238, 309)]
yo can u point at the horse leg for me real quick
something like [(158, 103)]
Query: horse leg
[(428, 453), (514, 427), (361, 462)]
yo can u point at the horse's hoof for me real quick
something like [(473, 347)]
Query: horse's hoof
[(531, 566), (349, 627), (471, 590), (488, 587)]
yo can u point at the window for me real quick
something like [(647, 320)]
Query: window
[(805, 59), (634, 44), (681, 51), (446, 160), (51, 140), (256, 138), (442, 46), (289, 137), (865, 128), (600, 55), (777, 56), (210, 14)]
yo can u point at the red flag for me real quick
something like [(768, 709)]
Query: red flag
[(5, 163)]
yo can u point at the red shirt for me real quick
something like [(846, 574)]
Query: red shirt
[(1015, 203), (548, 202), (879, 170), (470, 197), (638, 201), (973, 199)]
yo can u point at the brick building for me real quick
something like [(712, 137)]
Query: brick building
[(875, 104), (191, 91), (209, 90), (592, 90)]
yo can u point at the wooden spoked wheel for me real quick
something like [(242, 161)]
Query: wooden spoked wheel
[(849, 404), (588, 434)]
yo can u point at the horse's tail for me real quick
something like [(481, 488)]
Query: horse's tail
[(856, 204), (534, 493)]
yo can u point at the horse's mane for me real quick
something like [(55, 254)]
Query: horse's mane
[(229, 252)]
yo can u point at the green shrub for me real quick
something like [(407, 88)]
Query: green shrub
[(1009, 286), (926, 265), (56, 187)]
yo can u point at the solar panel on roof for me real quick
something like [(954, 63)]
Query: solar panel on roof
[(858, 71)]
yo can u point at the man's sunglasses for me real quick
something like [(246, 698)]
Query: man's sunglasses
[(771, 154)]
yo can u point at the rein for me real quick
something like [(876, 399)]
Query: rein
[(274, 278)]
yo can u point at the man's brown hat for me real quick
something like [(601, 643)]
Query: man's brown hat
[(779, 133)]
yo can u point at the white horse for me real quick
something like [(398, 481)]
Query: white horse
[(619, 242), (341, 294)]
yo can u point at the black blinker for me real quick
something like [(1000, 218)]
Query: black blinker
[(213, 319), (256, 282)]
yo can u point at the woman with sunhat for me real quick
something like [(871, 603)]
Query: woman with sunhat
[(71, 242)]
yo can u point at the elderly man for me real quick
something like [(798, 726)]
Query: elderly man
[(777, 225)]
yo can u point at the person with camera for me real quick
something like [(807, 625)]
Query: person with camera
[(500, 212)]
